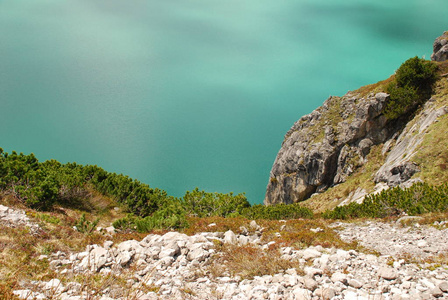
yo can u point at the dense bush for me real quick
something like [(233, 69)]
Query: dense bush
[(202, 204), (412, 86), (41, 185), (277, 212), (418, 199), (22, 177), (161, 219)]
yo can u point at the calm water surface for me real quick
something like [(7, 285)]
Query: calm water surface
[(189, 93)]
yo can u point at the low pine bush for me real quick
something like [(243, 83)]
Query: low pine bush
[(418, 199), (413, 85)]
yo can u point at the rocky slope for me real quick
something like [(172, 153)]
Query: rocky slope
[(177, 266), (326, 147)]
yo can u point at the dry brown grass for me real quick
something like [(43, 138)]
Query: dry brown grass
[(378, 87), (249, 261), (21, 247), (198, 225), (298, 234)]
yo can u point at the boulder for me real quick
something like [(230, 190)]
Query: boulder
[(388, 273), (230, 237)]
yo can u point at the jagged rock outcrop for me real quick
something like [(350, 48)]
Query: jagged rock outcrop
[(440, 48), (326, 146)]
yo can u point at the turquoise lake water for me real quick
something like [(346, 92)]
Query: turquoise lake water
[(185, 94)]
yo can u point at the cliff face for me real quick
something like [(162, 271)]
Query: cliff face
[(327, 146), (440, 48)]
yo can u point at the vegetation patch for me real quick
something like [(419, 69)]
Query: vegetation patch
[(418, 199), (249, 261), (411, 87)]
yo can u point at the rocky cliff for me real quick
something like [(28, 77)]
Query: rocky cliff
[(324, 148)]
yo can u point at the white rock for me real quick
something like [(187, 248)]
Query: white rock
[(54, 285), (422, 244), (427, 283), (350, 295), (301, 294), (130, 246), (230, 237), (198, 254), (98, 258), (310, 283), (444, 286), (311, 272), (253, 225), (387, 273), (355, 283), (436, 292), (310, 253), (338, 276), (342, 254), (243, 240), (124, 257), (172, 249), (108, 244), (174, 236)]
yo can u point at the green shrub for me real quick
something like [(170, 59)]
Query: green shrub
[(202, 204), (412, 86), (171, 216), (127, 222), (418, 199), (40, 185), (85, 226)]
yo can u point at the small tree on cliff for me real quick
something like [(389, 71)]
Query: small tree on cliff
[(413, 85)]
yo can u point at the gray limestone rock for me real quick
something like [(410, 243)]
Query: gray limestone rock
[(440, 46), (320, 151), (444, 286), (398, 167), (230, 237), (387, 273), (98, 258), (311, 253), (310, 283), (302, 294), (339, 277)]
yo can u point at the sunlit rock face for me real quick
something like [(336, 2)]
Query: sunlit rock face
[(441, 48), (325, 147)]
